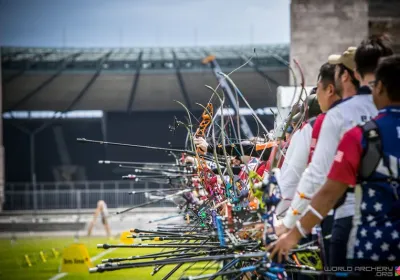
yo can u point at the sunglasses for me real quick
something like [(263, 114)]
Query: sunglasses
[(372, 84)]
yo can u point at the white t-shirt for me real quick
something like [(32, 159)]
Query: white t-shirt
[(338, 120), (294, 165)]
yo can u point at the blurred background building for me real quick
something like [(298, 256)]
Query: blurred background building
[(319, 28)]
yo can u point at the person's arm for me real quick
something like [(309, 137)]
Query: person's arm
[(342, 174), (314, 176), (294, 165), (289, 151), (235, 149)]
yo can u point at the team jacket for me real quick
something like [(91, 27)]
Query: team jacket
[(337, 121), (376, 232)]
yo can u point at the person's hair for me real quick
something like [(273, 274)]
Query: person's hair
[(354, 81), (388, 72), (326, 75), (370, 51)]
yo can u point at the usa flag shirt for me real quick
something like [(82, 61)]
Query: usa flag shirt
[(377, 230)]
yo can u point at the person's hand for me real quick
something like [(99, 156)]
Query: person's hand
[(220, 181), (201, 143), (283, 245), (189, 160), (280, 229)]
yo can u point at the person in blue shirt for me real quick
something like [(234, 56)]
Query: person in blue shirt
[(377, 242)]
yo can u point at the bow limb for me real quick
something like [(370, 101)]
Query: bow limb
[(202, 167), (214, 146), (303, 90), (287, 63), (222, 100), (238, 128), (190, 123), (214, 150), (244, 100), (237, 91), (258, 121), (210, 58)]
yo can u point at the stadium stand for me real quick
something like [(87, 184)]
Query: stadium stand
[(134, 88), (134, 78)]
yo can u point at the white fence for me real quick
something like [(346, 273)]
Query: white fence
[(78, 195)]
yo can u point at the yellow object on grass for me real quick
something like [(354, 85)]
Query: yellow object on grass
[(76, 259)]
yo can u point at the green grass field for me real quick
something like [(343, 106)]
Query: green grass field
[(13, 266)]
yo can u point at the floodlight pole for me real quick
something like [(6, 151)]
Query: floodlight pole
[(104, 131), (32, 161), (32, 165)]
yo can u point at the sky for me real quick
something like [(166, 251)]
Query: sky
[(140, 23)]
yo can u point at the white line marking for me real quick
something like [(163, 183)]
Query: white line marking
[(95, 258), (58, 276), (102, 254)]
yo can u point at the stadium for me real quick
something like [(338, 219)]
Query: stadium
[(137, 111)]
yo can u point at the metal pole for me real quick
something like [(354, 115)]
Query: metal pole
[(116, 189), (78, 207), (32, 155), (33, 172), (104, 132), (78, 202)]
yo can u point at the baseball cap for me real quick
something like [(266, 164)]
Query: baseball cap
[(347, 58), (312, 107)]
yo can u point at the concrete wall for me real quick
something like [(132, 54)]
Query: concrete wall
[(322, 27), (384, 17)]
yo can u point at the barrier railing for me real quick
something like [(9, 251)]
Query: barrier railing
[(77, 195)]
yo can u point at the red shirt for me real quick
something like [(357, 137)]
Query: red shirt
[(315, 134), (261, 168), (347, 159), (348, 156), (274, 154)]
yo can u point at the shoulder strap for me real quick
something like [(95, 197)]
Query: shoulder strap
[(312, 121), (373, 150)]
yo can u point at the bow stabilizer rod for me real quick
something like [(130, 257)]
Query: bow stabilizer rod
[(84, 140)]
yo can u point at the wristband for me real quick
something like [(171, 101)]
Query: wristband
[(300, 229), (315, 212)]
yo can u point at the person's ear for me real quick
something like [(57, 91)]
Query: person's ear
[(357, 75), (345, 76), (331, 90), (379, 88)]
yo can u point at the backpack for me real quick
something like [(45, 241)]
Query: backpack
[(370, 158)]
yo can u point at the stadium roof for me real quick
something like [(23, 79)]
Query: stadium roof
[(138, 79)]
